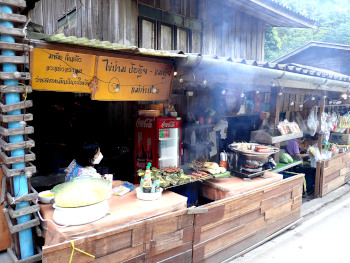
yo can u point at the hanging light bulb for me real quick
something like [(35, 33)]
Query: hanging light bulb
[(324, 96), (312, 98), (273, 84), (175, 73), (280, 93), (28, 174), (330, 102), (242, 95), (223, 92), (153, 89), (301, 106), (16, 74), (117, 88), (205, 82), (344, 96), (257, 92), (181, 79), (292, 103), (22, 123)]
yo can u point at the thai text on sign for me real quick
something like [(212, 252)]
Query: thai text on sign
[(62, 71), (132, 80)]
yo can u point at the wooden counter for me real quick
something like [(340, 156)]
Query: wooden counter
[(217, 189), (147, 230), (253, 212), (243, 219), (334, 173)]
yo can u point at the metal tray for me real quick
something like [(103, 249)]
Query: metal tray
[(248, 175), (233, 147)]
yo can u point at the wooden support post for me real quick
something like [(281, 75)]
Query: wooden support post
[(318, 177), (275, 109)]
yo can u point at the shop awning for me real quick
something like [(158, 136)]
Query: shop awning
[(106, 45), (194, 68)]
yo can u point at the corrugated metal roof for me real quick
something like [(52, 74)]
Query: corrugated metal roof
[(330, 56), (290, 67), (273, 13), (274, 2), (106, 45)]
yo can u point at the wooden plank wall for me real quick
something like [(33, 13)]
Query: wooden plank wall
[(167, 238), (231, 33), (227, 32), (334, 173), (106, 20), (234, 224)]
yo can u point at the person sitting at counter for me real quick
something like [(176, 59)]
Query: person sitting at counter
[(292, 148), (83, 165)]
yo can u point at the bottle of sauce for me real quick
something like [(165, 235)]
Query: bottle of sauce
[(147, 183)]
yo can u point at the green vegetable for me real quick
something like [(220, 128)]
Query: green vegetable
[(223, 175), (286, 158)]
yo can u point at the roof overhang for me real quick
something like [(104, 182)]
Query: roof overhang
[(313, 44), (195, 68), (273, 13), (222, 70)]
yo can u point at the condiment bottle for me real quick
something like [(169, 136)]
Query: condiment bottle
[(157, 186), (147, 184)]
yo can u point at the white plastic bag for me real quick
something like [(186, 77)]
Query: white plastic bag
[(312, 122), (315, 154)]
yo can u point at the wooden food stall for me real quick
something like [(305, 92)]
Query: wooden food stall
[(244, 214), (165, 230), (334, 173), (133, 231)]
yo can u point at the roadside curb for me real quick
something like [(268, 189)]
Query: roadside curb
[(310, 207)]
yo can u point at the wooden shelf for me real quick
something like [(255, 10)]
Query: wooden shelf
[(284, 166), (200, 126), (337, 105), (261, 136), (242, 115)]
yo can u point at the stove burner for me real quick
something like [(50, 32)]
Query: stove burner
[(252, 169)]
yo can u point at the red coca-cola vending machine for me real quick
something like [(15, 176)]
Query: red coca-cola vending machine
[(158, 141)]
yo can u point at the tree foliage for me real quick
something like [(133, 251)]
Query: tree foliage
[(332, 20)]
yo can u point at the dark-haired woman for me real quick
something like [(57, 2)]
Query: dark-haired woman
[(82, 166)]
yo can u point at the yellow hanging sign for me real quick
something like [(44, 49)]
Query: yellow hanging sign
[(121, 79), (54, 70)]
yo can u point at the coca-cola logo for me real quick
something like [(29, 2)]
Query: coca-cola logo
[(146, 123), (170, 124)]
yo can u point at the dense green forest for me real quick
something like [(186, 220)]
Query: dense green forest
[(332, 19)]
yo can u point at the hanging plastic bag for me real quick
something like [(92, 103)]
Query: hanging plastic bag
[(334, 121), (325, 126), (312, 122), (314, 153)]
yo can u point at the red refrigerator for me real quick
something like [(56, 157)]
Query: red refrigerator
[(158, 141)]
